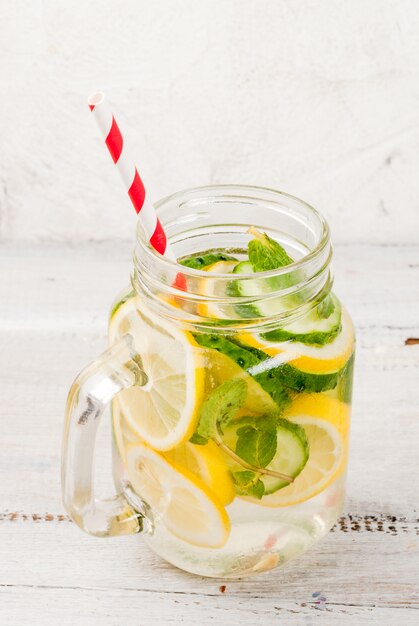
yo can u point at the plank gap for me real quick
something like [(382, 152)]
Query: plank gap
[(348, 523)]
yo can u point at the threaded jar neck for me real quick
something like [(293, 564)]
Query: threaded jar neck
[(218, 218)]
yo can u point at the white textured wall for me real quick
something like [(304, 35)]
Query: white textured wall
[(316, 97)]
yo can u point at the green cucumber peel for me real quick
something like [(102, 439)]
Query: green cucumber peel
[(275, 388), (201, 261), (278, 380), (298, 380), (345, 385), (247, 358), (320, 326), (326, 307), (292, 378), (314, 337), (244, 311)]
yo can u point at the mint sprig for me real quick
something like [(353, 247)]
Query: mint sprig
[(253, 448), (250, 442)]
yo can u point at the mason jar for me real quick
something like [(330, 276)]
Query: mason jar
[(229, 389)]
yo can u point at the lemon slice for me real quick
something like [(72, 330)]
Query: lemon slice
[(165, 411), (208, 463), (325, 359), (208, 287), (180, 500), (326, 424), (221, 267)]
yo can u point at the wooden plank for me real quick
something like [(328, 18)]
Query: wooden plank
[(356, 572), (114, 607), (356, 565)]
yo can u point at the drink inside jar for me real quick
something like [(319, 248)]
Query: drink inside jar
[(238, 434)]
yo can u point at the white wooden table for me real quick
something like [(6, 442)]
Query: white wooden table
[(53, 321)]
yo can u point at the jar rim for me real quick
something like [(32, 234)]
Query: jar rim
[(171, 264)]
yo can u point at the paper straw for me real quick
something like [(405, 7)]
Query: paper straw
[(125, 165)]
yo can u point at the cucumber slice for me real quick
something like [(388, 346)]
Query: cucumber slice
[(244, 267), (287, 375), (247, 360), (319, 327), (201, 261), (257, 288), (313, 329), (291, 456), (291, 449), (224, 313), (244, 288), (326, 307), (298, 380)]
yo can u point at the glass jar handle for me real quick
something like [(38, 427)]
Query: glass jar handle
[(116, 369)]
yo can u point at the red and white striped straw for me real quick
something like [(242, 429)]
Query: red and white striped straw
[(129, 173)]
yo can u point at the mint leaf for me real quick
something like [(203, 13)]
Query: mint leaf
[(326, 307), (266, 254), (220, 406), (248, 484), (255, 445), (198, 440)]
